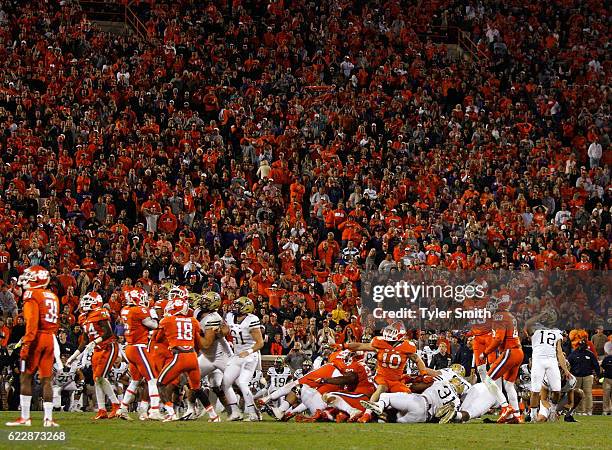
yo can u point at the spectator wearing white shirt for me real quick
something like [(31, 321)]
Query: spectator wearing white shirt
[(595, 151)]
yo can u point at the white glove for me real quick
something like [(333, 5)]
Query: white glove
[(90, 347)]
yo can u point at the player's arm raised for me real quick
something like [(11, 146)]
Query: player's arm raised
[(258, 345)]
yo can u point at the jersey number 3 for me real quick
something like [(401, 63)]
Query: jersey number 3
[(52, 312)]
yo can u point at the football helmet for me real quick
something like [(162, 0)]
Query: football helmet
[(457, 384), (306, 366), (211, 301), (194, 299), (394, 332), (91, 301), (458, 369), (178, 292), (279, 363), (177, 307), (35, 277), (137, 297), (504, 303), (243, 305)]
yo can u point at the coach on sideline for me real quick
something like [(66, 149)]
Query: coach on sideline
[(583, 364)]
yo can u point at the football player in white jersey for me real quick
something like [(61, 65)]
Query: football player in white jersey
[(306, 367), (217, 352), (278, 375), (547, 357), (247, 340), (570, 399), (419, 408), (65, 385)]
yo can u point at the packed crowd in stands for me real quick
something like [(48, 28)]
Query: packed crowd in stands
[(280, 149)]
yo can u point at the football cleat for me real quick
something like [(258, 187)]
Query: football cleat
[(155, 414), (235, 417), (21, 422), (114, 411), (49, 423), (252, 417), (366, 417), (143, 416), (569, 418), (215, 419), (102, 414), (373, 406), (123, 414), (507, 412), (341, 417), (171, 418), (445, 413)]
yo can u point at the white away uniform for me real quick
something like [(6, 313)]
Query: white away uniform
[(420, 408), (218, 354), (544, 359), (64, 381), (240, 370), (278, 378), (478, 401)]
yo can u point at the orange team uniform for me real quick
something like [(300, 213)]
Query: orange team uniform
[(391, 360), (481, 330), (105, 353), (41, 314), (159, 351), (506, 338), (334, 367), (361, 390), (137, 338), (180, 333)]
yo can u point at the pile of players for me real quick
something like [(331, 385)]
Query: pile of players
[(182, 344)]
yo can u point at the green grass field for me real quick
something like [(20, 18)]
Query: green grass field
[(82, 433)]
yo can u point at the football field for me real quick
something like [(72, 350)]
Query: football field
[(83, 433)]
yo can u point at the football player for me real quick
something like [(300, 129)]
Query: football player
[(183, 334), (570, 398), (278, 375), (547, 356), (99, 337), (139, 320), (66, 383), (37, 354), (247, 340), (419, 408), (216, 351), (505, 369), (355, 387), (392, 354)]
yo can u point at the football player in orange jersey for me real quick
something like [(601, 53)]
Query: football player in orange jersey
[(392, 354), (481, 331), (355, 379), (139, 320), (310, 388), (506, 367), (99, 338), (184, 337), (41, 314)]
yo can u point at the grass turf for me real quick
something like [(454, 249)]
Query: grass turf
[(83, 433)]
